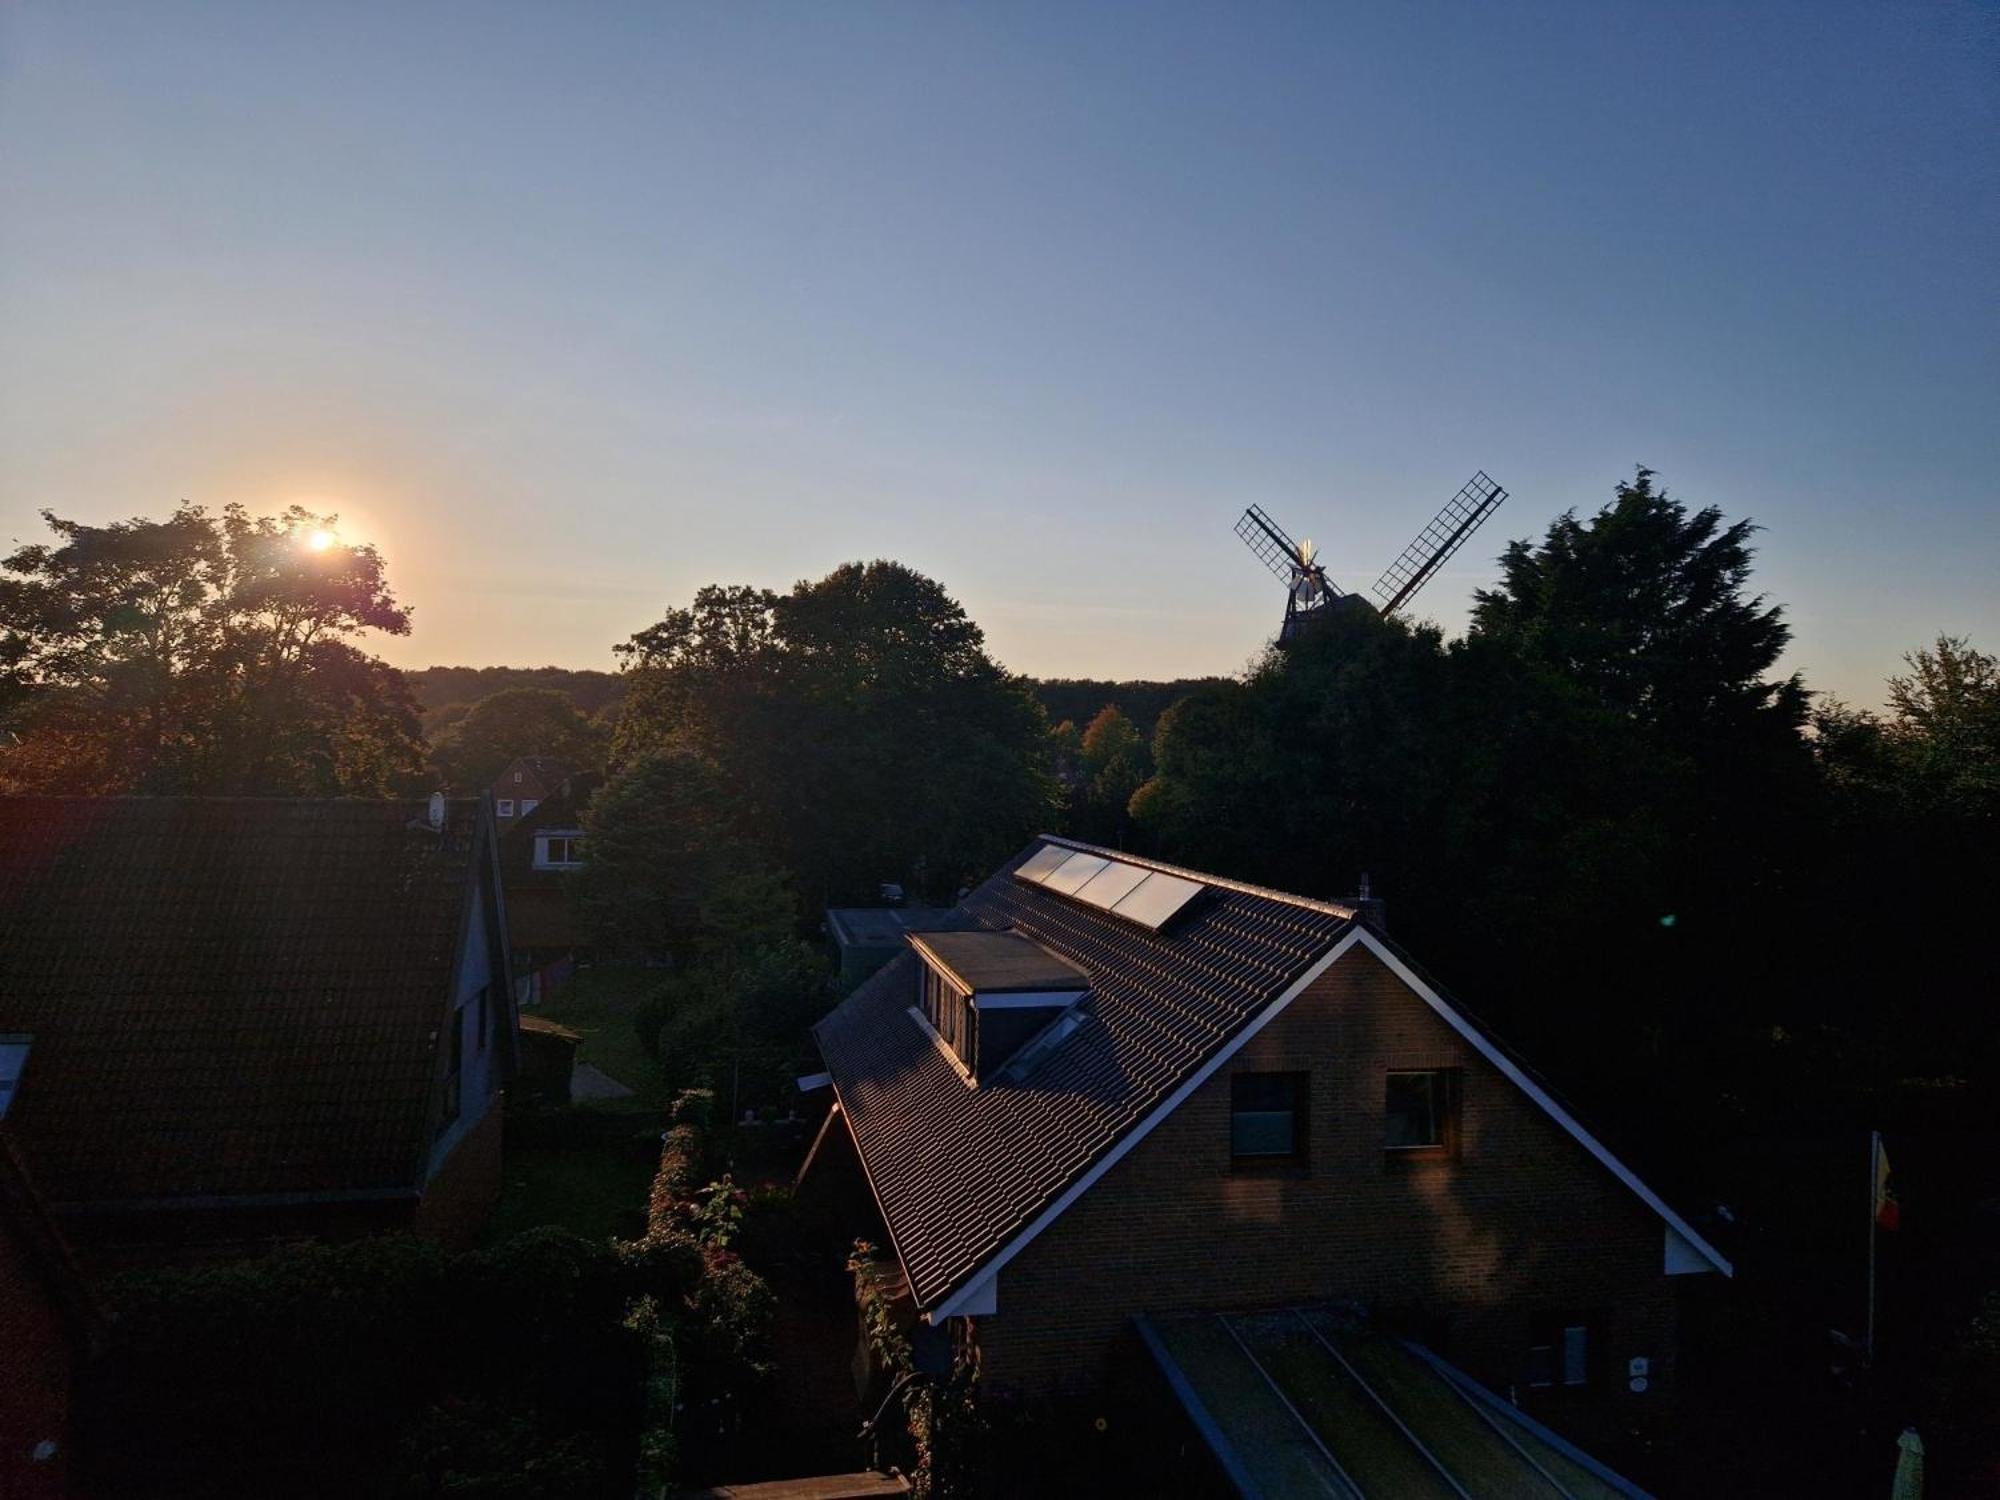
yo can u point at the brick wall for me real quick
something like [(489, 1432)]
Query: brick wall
[(1463, 1251)]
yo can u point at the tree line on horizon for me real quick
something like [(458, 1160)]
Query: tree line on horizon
[(1713, 903)]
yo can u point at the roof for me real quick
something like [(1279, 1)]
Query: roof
[(544, 768), (1160, 1004), (987, 963), (228, 996), (965, 1176), (1310, 1402), (884, 926)]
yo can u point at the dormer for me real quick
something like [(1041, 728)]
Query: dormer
[(994, 1000)]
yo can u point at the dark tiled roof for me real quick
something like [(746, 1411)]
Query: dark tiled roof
[(544, 773), (227, 996), (958, 1171)]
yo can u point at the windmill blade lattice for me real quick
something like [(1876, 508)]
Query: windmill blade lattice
[(1443, 535), (1276, 550)]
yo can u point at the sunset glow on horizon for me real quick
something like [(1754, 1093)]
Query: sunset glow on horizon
[(1035, 299)]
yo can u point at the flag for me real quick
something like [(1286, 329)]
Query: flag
[(1888, 1212)]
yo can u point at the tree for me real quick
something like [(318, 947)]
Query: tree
[(512, 723), (670, 873), (1947, 725), (1644, 606), (857, 725), (203, 653)]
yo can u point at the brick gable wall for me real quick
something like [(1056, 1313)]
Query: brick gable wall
[(1463, 1252)]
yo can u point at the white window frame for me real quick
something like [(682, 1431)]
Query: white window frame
[(570, 836), (503, 807)]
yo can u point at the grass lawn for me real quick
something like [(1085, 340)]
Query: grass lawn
[(597, 1191), (598, 1002)]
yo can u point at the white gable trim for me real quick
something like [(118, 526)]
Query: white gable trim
[(982, 1291), (1549, 1106)]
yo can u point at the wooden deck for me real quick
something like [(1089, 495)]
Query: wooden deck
[(866, 1486)]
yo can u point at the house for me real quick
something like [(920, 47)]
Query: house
[(528, 781), (538, 854), (49, 1322), (866, 937), (1123, 1090), (237, 1020)]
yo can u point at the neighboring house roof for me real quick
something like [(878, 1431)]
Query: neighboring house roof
[(883, 926), (545, 771), (966, 1176), (231, 997)]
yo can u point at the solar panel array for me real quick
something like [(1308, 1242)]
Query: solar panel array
[(1151, 898)]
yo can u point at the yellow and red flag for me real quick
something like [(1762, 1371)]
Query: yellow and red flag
[(1888, 1212)]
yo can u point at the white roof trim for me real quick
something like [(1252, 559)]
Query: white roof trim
[(1550, 1107), (982, 1289)]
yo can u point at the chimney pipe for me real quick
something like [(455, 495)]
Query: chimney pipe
[(1370, 910)]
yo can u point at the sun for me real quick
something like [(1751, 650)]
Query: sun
[(319, 541)]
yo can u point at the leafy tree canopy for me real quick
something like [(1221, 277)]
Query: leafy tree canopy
[(512, 723), (1644, 606), (202, 653), (857, 725)]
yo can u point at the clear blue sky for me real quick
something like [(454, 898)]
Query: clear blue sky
[(573, 308)]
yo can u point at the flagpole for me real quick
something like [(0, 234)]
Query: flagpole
[(1874, 1161)]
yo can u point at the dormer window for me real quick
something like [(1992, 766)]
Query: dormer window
[(995, 1000)]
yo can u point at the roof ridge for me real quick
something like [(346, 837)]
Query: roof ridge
[(1330, 908)]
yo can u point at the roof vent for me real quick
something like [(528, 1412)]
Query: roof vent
[(996, 1001)]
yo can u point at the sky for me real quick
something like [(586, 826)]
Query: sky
[(571, 309)]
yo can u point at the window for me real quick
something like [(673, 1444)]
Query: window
[(13, 1058), (1267, 1117), (950, 1014), (452, 1079), (1417, 1111), (558, 851), (1559, 1350), (504, 807), (517, 778), (528, 805)]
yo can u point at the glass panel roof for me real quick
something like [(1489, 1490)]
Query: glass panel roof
[(1038, 866), (1077, 869), (1154, 900), (1110, 884)]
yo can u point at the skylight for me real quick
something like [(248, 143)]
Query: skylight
[(1151, 898)]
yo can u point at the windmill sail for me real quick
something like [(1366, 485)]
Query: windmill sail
[(1445, 533), (1294, 563)]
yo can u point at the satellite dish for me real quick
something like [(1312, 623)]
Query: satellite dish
[(437, 811)]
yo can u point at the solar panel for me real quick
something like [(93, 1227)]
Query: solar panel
[(1074, 871), (1109, 885), (1154, 901), (1038, 866)]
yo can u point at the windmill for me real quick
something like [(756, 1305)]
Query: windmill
[(1310, 594)]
